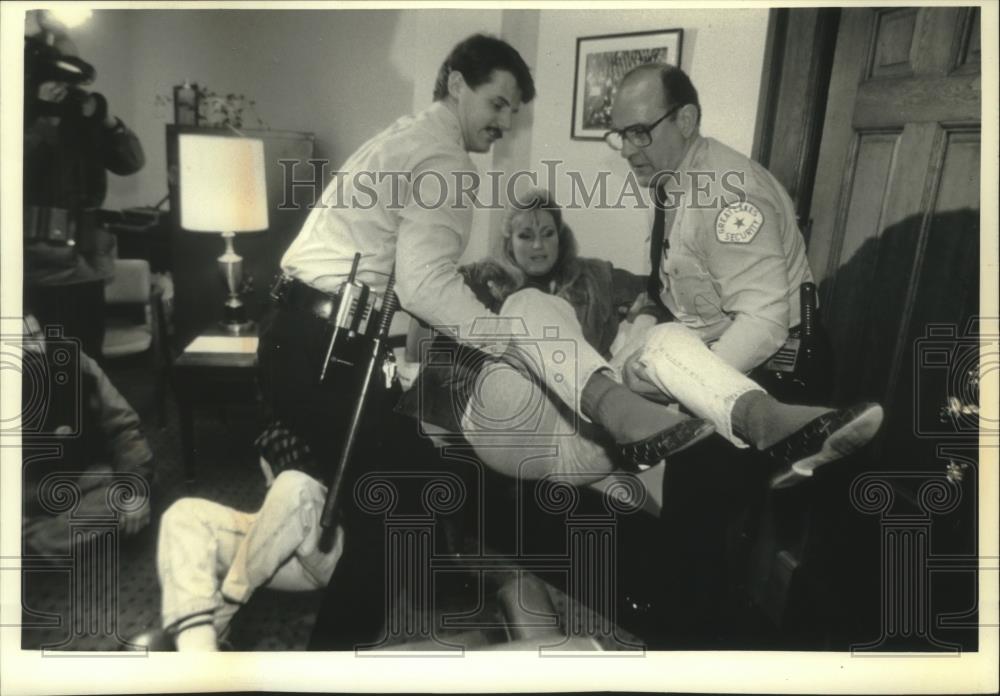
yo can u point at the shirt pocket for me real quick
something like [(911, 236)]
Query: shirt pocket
[(693, 290)]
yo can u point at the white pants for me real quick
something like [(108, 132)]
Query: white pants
[(677, 361), (549, 343), (518, 428), (559, 444), (211, 557), (525, 420)]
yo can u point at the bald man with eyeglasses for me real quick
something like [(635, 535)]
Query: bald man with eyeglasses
[(731, 258), (727, 260)]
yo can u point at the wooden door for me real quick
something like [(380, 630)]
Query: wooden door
[(895, 249), (899, 157)]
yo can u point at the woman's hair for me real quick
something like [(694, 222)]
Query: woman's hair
[(569, 280)]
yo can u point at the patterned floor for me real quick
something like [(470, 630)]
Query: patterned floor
[(107, 601), (115, 594)]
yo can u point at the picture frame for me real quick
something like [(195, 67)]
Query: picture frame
[(601, 61)]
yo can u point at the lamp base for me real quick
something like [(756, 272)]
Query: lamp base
[(234, 321), (234, 328)]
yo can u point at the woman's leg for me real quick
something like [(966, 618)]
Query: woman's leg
[(552, 347), (549, 342), (519, 429)]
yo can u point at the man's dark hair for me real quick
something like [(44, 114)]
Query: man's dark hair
[(477, 57), (678, 88)]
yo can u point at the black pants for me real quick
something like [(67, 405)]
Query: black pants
[(292, 347)]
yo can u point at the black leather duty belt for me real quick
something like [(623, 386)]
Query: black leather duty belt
[(60, 226), (292, 293)]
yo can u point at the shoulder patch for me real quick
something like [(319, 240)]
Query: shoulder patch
[(738, 223)]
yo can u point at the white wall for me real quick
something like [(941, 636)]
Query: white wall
[(341, 74), (723, 52), (344, 74), (106, 41)]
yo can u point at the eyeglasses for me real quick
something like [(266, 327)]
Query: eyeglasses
[(639, 135)]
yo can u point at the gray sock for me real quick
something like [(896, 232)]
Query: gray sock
[(765, 421), (626, 416)]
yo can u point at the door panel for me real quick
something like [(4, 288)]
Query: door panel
[(960, 175), (895, 249), (887, 139), (872, 169), (969, 51), (917, 101), (893, 40), (946, 296)]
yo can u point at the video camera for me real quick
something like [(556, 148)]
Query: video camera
[(46, 63)]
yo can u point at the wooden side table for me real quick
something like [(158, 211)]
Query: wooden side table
[(213, 370)]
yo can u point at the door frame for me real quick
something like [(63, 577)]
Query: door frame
[(798, 61)]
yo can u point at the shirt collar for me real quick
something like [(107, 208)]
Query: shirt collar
[(681, 183), (444, 121)]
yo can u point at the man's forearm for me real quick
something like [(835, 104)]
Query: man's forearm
[(749, 342)]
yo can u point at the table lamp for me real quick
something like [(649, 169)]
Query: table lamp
[(223, 190)]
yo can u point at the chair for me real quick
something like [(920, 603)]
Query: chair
[(134, 321)]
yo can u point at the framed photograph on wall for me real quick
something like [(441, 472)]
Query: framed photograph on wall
[(601, 61)]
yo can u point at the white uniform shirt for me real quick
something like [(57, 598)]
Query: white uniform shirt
[(733, 268), (403, 197)]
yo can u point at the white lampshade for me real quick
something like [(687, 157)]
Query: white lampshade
[(222, 184)]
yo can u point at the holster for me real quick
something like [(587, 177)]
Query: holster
[(353, 326)]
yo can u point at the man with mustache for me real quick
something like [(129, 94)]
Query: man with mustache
[(416, 175), (404, 206)]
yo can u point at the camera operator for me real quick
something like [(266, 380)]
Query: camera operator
[(71, 141)]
